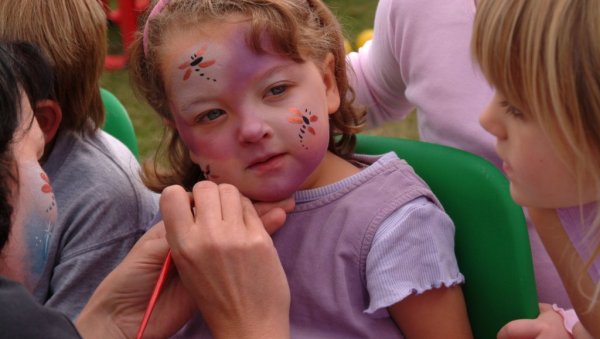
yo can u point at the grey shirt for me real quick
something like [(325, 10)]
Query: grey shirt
[(103, 209), (22, 317)]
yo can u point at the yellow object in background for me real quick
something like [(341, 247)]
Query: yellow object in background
[(347, 46), (363, 37)]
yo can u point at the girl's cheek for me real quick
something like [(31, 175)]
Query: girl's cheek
[(187, 135), (307, 128)]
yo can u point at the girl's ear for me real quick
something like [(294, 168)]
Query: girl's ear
[(333, 94), (49, 117)]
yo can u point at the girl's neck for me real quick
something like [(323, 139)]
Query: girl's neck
[(331, 169)]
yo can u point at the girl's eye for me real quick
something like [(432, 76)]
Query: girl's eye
[(278, 90), (211, 115), (510, 109)]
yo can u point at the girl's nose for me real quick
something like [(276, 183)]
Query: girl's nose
[(491, 121), (253, 128)]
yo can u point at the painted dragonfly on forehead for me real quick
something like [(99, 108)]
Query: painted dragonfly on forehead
[(197, 62), (303, 119)]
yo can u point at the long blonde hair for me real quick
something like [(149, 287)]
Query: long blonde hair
[(300, 29), (544, 56)]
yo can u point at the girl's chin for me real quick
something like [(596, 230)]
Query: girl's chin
[(272, 194), (267, 197)]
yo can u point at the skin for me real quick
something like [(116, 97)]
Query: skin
[(542, 181), (241, 118), (35, 213), (241, 125), (538, 176), (230, 294), (547, 325), (116, 308), (225, 242)]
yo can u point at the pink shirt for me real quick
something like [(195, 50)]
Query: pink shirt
[(420, 58)]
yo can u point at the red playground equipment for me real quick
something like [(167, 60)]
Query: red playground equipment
[(125, 16)]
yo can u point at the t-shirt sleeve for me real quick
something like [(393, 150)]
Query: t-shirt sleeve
[(412, 252)]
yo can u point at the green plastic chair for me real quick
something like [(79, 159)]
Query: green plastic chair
[(117, 122), (492, 244)]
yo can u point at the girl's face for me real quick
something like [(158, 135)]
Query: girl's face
[(34, 212), (538, 177), (257, 121)]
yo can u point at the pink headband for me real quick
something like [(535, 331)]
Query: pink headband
[(157, 9)]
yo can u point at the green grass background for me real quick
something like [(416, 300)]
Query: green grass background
[(354, 15)]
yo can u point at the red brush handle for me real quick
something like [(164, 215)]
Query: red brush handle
[(155, 293)]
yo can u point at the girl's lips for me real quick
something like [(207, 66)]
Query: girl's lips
[(267, 164)]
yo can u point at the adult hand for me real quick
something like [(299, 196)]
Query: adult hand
[(548, 325), (227, 261), (273, 214), (117, 306)]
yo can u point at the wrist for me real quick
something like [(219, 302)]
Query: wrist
[(97, 321), (569, 318), (276, 328)]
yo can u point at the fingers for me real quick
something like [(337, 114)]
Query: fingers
[(273, 215), (548, 325), (231, 204), (251, 219), (216, 203), (286, 205), (207, 201), (273, 220), (520, 329), (176, 212), (153, 244)]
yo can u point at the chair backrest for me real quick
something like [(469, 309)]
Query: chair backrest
[(117, 122), (491, 240)]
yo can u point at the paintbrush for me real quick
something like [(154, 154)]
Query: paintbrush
[(155, 293)]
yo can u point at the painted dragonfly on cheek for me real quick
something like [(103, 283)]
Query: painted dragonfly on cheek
[(197, 62), (303, 119)]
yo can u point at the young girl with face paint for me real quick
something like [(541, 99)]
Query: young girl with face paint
[(543, 58), (254, 94), (117, 306)]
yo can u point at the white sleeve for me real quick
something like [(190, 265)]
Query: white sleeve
[(412, 252)]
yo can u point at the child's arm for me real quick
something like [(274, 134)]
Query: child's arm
[(568, 264), (436, 313), (548, 324)]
